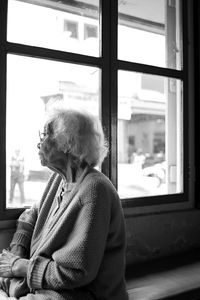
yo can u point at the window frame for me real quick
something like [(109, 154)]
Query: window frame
[(109, 64), (186, 200)]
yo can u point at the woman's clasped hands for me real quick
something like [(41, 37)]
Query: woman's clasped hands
[(7, 260)]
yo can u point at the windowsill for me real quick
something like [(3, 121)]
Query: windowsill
[(157, 208), (8, 224)]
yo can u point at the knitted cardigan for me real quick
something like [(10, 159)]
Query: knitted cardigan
[(77, 245)]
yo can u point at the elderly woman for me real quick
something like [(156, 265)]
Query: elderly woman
[(72, 245)]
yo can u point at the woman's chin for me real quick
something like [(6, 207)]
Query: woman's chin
[(42, 160), (43, 163)]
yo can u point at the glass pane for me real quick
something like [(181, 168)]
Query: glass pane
[(150, 135), (31, 84), (71, 26), (149, 32)]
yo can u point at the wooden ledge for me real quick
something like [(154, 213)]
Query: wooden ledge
[(177, 279)]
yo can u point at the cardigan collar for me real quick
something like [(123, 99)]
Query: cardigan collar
[(58, 217)]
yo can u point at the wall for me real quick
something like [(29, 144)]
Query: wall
[(153, 236), (5, 237)]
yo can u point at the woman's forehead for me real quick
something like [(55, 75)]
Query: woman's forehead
[(44, 127)]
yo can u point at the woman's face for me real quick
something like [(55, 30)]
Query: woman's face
[(48, 153)]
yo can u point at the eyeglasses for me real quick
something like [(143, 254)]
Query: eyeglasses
[(42, 136)]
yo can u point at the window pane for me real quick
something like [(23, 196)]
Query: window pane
[(31, 84), (150, 158), (149, 32), (56, 25)]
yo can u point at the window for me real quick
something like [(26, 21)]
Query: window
[(150, 114), (71, 28), (150, 105), (126, 62), (53, 24), (90, 31), (28, 97)]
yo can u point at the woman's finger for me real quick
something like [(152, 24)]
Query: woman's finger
[(1, 279), (7, 260), (6, 285), (3, 286)]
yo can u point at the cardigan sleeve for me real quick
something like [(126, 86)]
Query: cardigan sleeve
[(77, 262), (27, 220), (25, 226)]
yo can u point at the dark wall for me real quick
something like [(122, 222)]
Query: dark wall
[(155, 236)]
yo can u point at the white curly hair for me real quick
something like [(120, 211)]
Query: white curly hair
[(77, 132)]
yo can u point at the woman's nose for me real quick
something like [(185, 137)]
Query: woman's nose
[(39, 145)]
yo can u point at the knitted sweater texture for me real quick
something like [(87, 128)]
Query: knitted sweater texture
[(77, 243)]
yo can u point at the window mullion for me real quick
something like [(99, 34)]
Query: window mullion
[(3, 18), (171, 108), (150, 69), (108, 107), (56, 55), (189, 109), (114, 87)]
